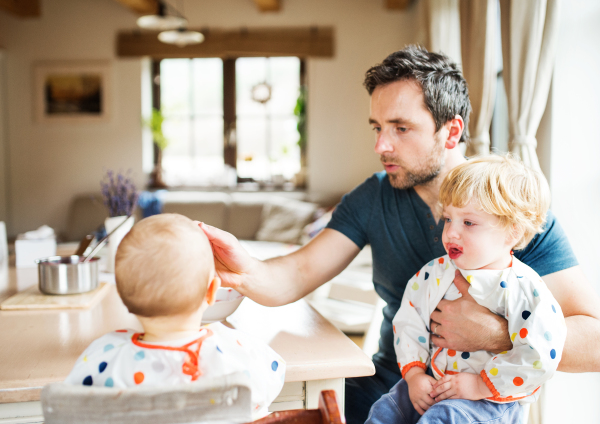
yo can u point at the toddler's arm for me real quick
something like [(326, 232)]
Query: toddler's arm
[(411, 335), (538, 332)]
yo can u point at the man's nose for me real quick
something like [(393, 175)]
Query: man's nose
[(383, 145)]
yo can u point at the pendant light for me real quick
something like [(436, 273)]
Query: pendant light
[(163, 20), (181, 37)]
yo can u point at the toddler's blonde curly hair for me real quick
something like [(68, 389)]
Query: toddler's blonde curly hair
[(501, 186)]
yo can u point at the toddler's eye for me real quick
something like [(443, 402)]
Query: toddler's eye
[(448, 220), (469, 223)]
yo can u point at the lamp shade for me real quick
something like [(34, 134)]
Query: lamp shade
[(161, 22), (181, 37)]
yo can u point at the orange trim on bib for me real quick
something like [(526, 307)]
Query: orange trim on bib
[(436, 369), (190, 366), (497, 397), (413, 364)]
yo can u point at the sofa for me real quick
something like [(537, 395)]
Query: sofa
[(264, 216)]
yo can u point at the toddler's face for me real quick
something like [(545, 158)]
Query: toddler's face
[(475, 239)]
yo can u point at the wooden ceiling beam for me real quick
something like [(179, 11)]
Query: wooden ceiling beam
[(268, 5), (143, 7), (21, 8), (398, 4), (302, 42)]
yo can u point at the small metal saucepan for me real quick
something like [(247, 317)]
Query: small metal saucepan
[(67, 274)]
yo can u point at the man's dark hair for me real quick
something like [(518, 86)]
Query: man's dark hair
[(444, 88)]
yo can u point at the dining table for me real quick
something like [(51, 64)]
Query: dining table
[(38, 347)]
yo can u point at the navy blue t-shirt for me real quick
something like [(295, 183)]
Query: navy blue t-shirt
[(404, 236)]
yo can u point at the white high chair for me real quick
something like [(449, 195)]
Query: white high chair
[(222, 399)]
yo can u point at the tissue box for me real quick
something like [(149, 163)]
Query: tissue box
[(27, 251)]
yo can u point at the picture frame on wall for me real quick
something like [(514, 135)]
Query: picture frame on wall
[(72, 91)]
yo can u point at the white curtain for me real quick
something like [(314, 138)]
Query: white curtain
[(529, 35), (442, 21), (478, 23)]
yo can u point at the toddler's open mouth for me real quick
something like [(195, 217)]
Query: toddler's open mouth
[(454, 251)]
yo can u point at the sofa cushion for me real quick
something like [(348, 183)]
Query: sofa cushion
[(283, 220), (208, 207)]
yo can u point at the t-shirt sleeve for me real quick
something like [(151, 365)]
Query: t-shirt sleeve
[(549, 251), (351, 215)]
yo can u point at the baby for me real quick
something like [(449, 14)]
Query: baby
[(491, 206), (165, 276)]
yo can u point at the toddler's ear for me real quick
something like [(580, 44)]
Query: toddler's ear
[(211, 291)]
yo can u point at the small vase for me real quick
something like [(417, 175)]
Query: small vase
[(114, 240)]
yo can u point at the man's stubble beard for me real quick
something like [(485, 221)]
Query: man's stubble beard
[(428, 171)]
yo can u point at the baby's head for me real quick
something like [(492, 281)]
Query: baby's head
[(164, 266), (492, 205)]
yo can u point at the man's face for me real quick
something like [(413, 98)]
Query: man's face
[(409, 147)]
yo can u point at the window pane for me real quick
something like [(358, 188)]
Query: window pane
[(249, 71), (206, 132), (266, 133), (192, 103), (177, 132), (175, 86), (207, 80), (285, 81)]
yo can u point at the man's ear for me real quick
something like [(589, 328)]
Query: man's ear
[(455, 128), (211, 291)]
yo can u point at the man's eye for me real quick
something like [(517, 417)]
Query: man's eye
[(469, 223), (402, 129), (376, 129)]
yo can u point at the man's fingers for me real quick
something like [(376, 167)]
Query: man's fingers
[(462, 285), (217, 237)]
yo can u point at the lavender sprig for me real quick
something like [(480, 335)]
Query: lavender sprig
[(119, 193)]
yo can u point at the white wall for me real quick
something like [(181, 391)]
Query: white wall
[(571, 161), (51, 163)]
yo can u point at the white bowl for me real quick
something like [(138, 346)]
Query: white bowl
[(226, 303)]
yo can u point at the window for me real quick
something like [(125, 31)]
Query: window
[(195, 95)]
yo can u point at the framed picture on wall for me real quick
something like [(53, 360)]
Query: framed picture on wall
[(74, 91)]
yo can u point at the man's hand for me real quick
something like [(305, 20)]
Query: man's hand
[(466, 326), (232, 262), (420, 386), (460, 386)]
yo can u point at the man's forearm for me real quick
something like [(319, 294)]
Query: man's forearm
[(580, 353), (285, 279), (275, 282)]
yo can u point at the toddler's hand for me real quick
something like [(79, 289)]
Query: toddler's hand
[(460, 386), (420, 386)]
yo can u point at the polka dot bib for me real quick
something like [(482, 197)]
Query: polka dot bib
[(535, 321)]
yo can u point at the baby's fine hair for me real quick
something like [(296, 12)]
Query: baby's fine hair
[(502, 186), (163, 266)]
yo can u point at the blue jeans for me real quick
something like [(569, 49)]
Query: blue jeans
[(396, 408), (363, 392)]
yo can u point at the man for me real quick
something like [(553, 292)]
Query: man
[(419, 113)]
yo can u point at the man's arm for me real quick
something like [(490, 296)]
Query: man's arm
[(466, 326), (285, 279), (581, 306)]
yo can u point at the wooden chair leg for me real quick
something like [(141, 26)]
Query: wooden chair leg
[(328, 413)]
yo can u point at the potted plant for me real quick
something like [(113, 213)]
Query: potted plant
[(120, 198), (160, 143)]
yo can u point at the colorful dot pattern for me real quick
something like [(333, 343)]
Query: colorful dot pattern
[(116, 361), (537, 335)]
